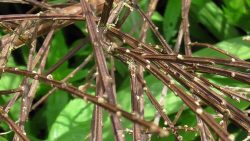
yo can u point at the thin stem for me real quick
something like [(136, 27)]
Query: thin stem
[(106, 79), (70, 75), (16, 17), (68, 55), (93, 99), (17, 130)]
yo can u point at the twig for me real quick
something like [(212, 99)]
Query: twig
[(102, 68), (17, 17), (68, 55), (45, 25), (93, 99), (187, 99), (70, 75), (97, 123), (11, 91), (159, 109), (13, 1), (136, 99), (185, 26), (12, 124)]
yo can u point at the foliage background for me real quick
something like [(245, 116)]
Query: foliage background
[(63, 117)]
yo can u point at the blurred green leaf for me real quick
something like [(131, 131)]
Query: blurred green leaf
[(172, 18), (235, 46), (157, 17), (237, 13), (10, 81), (143, 4), (73, 123), (188, 118), (57, 50), (82, 26), (172, 102), (36, 124), (55, 104), (3, 139), (121, 68), (60, 119), (212, 17), (129, 26), (197, 31)]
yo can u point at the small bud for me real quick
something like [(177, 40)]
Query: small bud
[(180, 57), (148, 66), (157, 47), (153, 128), (232, 74), (63, 85), (180, 138), (118, 113), (199, 111), (172, 82), (233, 60), (231, 137), (100, 100), (196, 79), (50, 77)]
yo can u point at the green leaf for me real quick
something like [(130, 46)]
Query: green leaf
[(3, 139), (57, 50), (10, 81), (243, 105), (121, 68), (157, 17), (235, 46), (171, 18), (197, 32), (143, 4), (55, 104), (172, 102), (73, 123), (234, 9), (213, 18), (82, 26), (123, 94), (80, 75), (237, 13), (129, 25), (36, 124)]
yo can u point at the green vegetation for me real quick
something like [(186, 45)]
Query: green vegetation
[(65, 116)]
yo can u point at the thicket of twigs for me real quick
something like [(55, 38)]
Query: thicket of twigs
[(108, 85)]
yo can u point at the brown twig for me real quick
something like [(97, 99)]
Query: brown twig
[(17, 130), (93, 99), (102, 67), (70, 75)]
